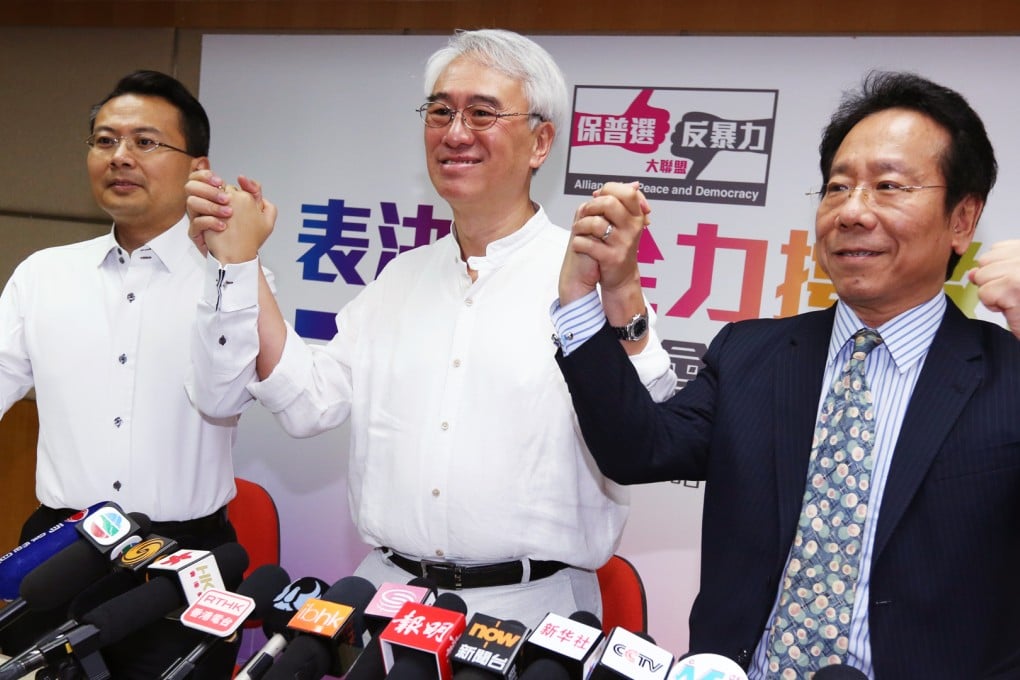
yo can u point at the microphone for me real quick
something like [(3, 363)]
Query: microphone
[(17, 563), (418, 641), (219, 615), (326, 629), (196, 571), (545, 669), (839, 672), (60, 577), (697, 666), (380, 611), (128, 572), (628, 656), (489, 648), (390, 597), (572, 642), (285, 605), (111, 621)]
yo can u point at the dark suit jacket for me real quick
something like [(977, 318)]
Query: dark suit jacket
[(945, 588)]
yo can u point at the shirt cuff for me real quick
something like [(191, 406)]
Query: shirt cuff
[(231, 287), (577, 321)]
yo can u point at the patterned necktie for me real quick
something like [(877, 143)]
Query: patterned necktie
[(812, 624)]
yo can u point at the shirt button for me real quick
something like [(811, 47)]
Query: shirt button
[(116, 485), (118, 421), (122, 358), (439, 553), (222, 340), (456, 363), (130, 297), (469, 302), (444, 426), (435, 492)]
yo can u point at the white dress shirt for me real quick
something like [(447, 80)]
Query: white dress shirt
[(103, 336), (464, 444)]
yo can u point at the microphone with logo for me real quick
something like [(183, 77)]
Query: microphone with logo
[(16, 564), (220, 614), (325, 627), (629, 656), (489, 648), (571, 642), (706, 665), (286, 604), (128, 572), (385, 604), (417, 643), (79, 642), (63, 575)]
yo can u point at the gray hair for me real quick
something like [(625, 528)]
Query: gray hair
[(514, 56)]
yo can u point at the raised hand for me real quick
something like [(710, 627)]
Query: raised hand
[(997, 277)]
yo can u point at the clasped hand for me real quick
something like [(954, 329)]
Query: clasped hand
[(231, 222), (603, 243)]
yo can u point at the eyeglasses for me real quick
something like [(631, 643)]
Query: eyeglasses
[(108, 143), (880, 195), (476, 117)]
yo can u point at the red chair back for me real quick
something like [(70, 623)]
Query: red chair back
[(623, 596)]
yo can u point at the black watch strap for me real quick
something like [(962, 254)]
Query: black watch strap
[(635, 329)]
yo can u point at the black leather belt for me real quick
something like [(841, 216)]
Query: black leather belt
[(191, 527), (455, 576)]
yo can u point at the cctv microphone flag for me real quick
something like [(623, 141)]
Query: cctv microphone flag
[(627, 656), (428, 629)]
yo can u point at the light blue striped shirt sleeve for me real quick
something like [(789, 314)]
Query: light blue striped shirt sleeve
[(577, 321)]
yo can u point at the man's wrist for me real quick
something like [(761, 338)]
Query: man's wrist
[(577, 321)]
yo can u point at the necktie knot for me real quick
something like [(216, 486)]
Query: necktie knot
[(865, 340)]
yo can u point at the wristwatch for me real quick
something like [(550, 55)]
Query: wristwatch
[(636, 329)]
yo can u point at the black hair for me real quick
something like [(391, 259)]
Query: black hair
[(194, 121), (968, 163)]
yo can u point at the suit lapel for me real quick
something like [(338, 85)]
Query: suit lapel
[(798, 383), (951, 373)]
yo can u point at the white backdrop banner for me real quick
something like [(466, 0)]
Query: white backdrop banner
[(722, 132)]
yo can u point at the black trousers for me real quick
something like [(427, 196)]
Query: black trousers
[(146, 653)]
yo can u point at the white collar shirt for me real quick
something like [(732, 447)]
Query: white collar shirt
[(103, 335)]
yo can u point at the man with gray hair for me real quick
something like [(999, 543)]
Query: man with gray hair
[(466, 462)]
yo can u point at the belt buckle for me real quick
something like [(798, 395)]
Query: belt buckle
[(456, 570)]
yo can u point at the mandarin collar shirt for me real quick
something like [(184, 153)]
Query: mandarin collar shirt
[(104, 335), (464, 445)]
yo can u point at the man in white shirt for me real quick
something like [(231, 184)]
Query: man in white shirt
[(466, 462), (101, 329)]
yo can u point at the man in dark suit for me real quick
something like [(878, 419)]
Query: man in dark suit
[(906, 169)]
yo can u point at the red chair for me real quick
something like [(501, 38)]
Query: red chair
[(623, 596), (257, 523), (254, 516)]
